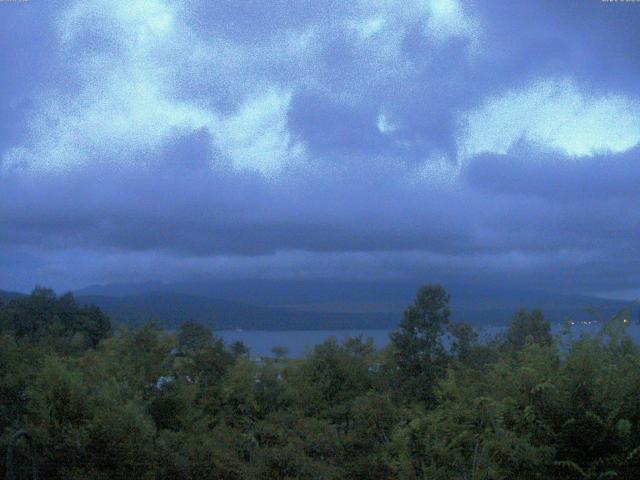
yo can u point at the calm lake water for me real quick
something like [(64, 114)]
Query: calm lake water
[(299, 342)]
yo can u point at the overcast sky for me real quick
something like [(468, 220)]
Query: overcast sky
[(444, 140)]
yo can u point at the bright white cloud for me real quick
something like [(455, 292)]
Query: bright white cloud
[(124, 103), (131, 97), (447, 18), (554, 114), (385, 124), (144, 22), (368, 27), (442, 19), (257, 136), (108, 122), (134, 80)]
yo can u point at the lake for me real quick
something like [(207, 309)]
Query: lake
[(299, 342)]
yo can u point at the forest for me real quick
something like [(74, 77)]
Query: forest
[(437, 403)]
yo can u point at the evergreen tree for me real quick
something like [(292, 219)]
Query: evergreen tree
[(418, 349)]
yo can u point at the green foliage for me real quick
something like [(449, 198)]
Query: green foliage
[(290, 446), (239, 349), (130, 405), (332, 376), (58, 320), (280, 352), (419, 352), (193, 336), (527, 326)]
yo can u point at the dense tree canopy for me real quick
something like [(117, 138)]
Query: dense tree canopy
[(43, 315), (528, 326), (419, 352), (132, 404), (193, 336)]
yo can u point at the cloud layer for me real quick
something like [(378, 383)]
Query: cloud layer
[(436, 139)]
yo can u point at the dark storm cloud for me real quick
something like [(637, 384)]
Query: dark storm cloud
[(329, 127), (320, 138), (591, 40), (511, 204), (552, 176), (196, 211)]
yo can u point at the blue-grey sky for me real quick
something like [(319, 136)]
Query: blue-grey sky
[(445, 140)]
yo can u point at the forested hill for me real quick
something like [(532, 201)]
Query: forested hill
[(7, 296), (170, 310)]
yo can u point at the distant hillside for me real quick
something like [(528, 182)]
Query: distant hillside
[(345, 304), (171, 309), (6, 296)]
